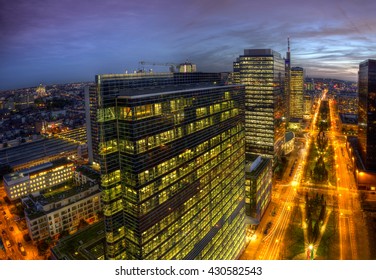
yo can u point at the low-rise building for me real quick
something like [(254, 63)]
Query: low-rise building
[(348, 124), (86, 173), (37, 178), (61, 208), (288, 146)]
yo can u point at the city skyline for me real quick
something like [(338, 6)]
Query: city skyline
[(65, 41)]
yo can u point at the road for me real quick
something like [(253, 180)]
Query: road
[(342, 198), (348, 198), (14, 233)]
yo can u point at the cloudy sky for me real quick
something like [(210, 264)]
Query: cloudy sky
[(58, 41)]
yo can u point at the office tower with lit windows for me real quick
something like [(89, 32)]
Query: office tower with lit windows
[(171, 151), (296, 93), (367, 113), (262, 71), (287, 81)]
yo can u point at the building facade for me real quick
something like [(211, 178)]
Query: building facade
[(61, 209), (262, 71), (297, 93), (37, 178), (367, 113), (307, 106), (258, 186), (171, 151), (347, 103)]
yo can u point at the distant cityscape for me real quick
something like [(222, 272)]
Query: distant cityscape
[(261, 163)]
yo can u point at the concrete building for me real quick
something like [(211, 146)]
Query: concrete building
[(85, 173), (37, 178), (171, 151), (61, 208)]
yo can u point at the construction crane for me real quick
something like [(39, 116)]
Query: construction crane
[(172, 66)]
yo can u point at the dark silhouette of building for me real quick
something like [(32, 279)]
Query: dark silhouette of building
[(367, 113)]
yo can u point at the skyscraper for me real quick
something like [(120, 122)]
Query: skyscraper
[(296, 93), (262, 71), (287, 81), (171, 151), (367, 113)]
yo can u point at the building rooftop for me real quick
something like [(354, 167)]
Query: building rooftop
[(35, 150), (253, 168), (36, 169), (88, 172), (52, 195), (349, 118), (157, 91), (289, 136), (85, 244)]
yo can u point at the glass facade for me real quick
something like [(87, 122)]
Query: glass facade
[(296, 92), (258, 187), (171, 151), (367, 113), (263, 73)]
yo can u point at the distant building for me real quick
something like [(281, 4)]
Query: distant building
[(187, 67), (37, 178), (347, 103), (61, 208), (307, 105), (262, 71), (348, 124), (295, 124), (367, 113), (258, 187)]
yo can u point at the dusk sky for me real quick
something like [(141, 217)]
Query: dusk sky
[(60, 41)]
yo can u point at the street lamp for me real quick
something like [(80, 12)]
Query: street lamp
[(310, 252)]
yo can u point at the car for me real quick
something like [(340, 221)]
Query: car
[(11, 228), (7, 243), (1, 222), (21, 248), (4, 213), (3, 232)]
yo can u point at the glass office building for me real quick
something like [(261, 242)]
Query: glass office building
[(367, 113), (297, 92), (262, 71), (258, 186), (171, 151)]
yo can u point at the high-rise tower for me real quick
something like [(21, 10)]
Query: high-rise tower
[(262, 71), (287, 81), (296, 92), (367, 113), (171, 152)]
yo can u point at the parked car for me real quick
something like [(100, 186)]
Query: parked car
[(7, 243), (21, 248)]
